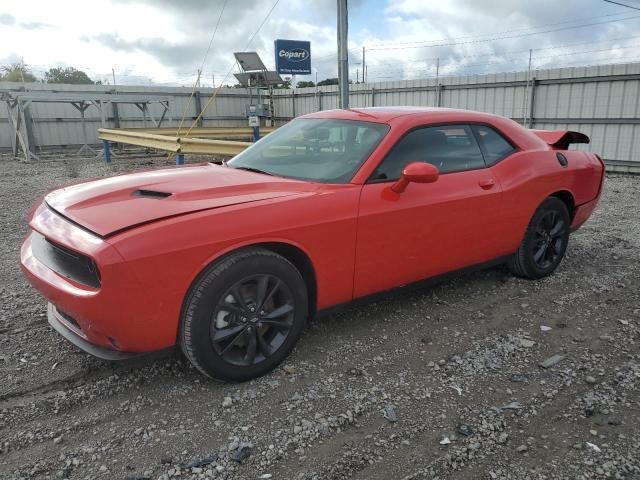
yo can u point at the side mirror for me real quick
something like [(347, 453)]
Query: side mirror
[(417, 172)]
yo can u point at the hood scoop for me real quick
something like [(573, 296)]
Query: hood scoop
[(151, 194)]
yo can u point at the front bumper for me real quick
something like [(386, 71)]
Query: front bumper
[(118, 319), (67, 330)]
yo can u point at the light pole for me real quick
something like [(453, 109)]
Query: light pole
[(343, 55)]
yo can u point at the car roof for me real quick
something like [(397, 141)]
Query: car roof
[(386, 114)]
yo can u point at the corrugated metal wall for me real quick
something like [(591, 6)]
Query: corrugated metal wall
[(58, 124), (601, 101)]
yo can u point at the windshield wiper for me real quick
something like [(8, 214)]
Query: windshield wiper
[(251, 169)]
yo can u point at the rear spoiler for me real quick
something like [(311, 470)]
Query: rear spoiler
[(561, 139)]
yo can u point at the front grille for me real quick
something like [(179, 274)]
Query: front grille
[(66, 262)]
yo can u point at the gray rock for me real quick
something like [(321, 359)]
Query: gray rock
[(614, 420), (241, 453), (519, 377), (389, 412), (202, 461), (551, 361), (465, 430), (512, 406), (526, 343)]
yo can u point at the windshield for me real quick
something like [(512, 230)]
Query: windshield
[(321, 150)]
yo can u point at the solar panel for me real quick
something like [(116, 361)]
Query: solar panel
[(258, 79), (249, 61)]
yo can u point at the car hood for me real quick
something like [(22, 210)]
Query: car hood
[(110, 205)]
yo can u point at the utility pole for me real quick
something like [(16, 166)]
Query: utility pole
[(343, 55), (364, 67), (113, 72), (525, 105), (438, 82)]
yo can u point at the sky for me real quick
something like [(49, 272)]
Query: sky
[(165, 42)]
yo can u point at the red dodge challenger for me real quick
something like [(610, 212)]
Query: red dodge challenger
[(229, 261)]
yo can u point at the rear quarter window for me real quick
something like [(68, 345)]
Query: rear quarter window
[(494, 146)]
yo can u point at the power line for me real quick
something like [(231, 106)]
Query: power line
[(494, 54), (204, 59), (215, 93), (422, 72), (508, 56), (213, 35), (501, 38), (622, 4), (575, 20)]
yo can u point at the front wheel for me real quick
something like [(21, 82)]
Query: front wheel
[(544, 243), (244, 315)]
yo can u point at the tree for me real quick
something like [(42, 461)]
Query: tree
[(67, 75), (286, 83), (304, 84), (328, 81), (16, 72)]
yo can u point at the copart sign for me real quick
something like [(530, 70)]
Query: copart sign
[(293, 57)]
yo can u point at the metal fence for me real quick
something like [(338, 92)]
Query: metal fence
[(601, 101)]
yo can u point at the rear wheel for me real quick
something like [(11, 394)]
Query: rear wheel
[(544, 243), (244, 315)]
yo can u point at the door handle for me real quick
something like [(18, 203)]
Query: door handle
[(487, 184)]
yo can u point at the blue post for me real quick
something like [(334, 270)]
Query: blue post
[(256, 134), (107, 151), (179, 159)]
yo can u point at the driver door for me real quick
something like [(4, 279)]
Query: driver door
[(429, 229)]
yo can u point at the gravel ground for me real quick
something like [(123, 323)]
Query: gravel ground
[(482, 377)]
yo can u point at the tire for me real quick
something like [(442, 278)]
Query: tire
[(544, 243), (220, 334)]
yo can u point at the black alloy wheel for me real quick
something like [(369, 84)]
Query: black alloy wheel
[(550, 236), (243, 315), (252, 320), (544, 243)]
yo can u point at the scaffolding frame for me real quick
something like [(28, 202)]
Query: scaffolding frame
[(21, 123)]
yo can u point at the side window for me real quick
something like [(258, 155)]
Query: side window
[(451, 148), (495, 146)]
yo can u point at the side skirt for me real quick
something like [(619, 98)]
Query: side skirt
[(419, 285)]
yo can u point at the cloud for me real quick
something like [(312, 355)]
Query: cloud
[(7, 19), (184, 54), (34, 25), (176, 55), (471, 37), (166, 40)]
